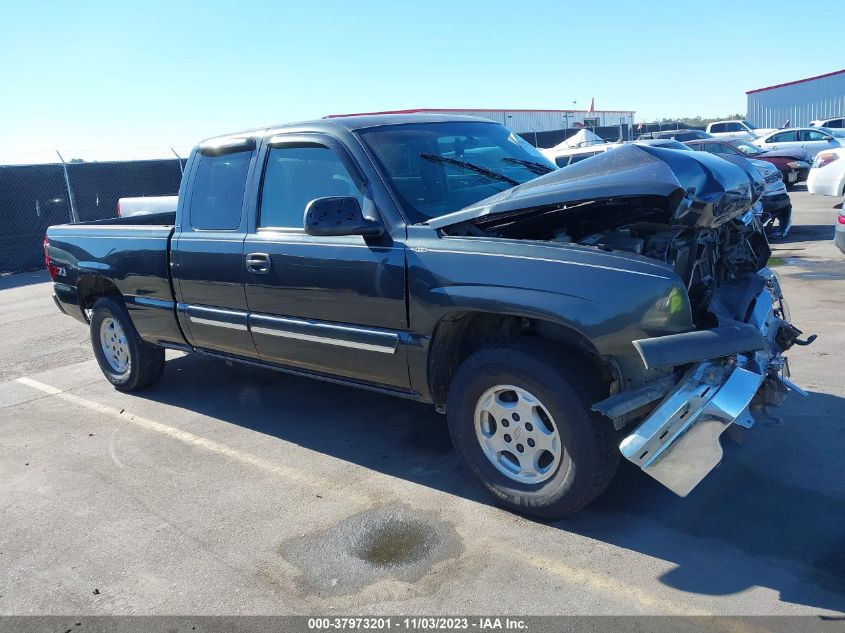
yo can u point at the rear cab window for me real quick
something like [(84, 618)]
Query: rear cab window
[(218, 191)]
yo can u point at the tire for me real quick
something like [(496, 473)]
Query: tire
[(565, 389), (127, 362)]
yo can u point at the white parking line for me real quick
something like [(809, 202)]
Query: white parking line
[(580, 575), (294, 476)]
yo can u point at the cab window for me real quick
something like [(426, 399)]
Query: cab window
[(294, 176), (218, 191)]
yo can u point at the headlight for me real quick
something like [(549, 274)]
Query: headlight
[(825, 158)]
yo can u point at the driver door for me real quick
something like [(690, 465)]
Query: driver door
[(333, 305)]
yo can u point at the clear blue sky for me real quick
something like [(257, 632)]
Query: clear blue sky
[(137, 74)]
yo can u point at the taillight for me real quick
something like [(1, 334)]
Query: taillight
[(840, 219), (825, 158), (118, 208), (51, 267)]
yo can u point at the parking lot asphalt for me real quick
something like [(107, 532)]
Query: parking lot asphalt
[(227, 489)]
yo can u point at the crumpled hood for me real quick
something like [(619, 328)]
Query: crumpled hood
[(699, 189)]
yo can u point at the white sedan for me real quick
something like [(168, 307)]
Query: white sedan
[(811, 139), (827, 175)]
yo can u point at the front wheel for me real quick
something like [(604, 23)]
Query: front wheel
[(519, 416), (128, 362)]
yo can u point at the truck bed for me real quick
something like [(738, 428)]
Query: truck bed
[(133, 254)]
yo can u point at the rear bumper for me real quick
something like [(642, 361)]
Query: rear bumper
[(678, 442), (67, 300)]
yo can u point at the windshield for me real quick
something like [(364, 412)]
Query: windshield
[(748, 149), (438, 168), (750, 126)]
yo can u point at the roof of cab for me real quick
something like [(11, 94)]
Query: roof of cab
[(350, 123)]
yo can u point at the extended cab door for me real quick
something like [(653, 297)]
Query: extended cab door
[(333, 305), (207, 249)]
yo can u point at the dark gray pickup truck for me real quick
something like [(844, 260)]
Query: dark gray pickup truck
[(558, 317)]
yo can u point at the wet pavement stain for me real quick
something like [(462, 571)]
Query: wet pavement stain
[(388, 542), (396, 542)]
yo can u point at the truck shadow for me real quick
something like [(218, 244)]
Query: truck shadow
[(806, 233), (783, 518), (18, 280)]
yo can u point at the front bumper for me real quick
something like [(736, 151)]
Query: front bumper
[(775, 203), (678, 442)]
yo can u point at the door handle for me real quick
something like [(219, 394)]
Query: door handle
[(258, 263)]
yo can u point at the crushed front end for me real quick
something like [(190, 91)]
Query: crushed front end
[(678, 443)]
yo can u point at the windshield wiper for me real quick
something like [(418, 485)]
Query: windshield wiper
[(436, 158), (538, 168)]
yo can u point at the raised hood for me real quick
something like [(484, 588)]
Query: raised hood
[(699, 189)]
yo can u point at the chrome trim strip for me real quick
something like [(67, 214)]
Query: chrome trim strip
[(225, 324), (150, 302), (328, 334), (322, 339)]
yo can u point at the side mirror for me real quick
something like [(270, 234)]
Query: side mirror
[(339, 215)]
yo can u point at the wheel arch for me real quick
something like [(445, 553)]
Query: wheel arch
[(91, 287), (458, 334)]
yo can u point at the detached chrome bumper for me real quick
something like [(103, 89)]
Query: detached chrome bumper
[(678, 443)]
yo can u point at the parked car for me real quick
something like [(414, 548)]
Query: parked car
[(812, 140), (735, 129), (424, 256), (794, 164), (839, 232), (827, 176), (570, 156), (142, 205), (836, 122), (678, 135)]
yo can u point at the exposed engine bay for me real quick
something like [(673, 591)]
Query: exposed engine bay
[(703, 257), (694, 213)]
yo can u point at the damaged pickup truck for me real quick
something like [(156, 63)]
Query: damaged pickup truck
[(559, 318)]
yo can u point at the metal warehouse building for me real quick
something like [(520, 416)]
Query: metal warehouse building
[(524, 121), (799, 102)]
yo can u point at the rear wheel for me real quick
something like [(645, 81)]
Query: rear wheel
[(521, 422), (127, 362)]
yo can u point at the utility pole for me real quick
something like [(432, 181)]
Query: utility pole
[(74, 216), (178, 158)]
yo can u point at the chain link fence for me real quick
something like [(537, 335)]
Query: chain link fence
[(34, 197)]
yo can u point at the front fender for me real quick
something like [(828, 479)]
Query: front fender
[(608, 303)]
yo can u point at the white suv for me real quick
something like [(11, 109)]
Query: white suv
[(736, 129), (837, 122)]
